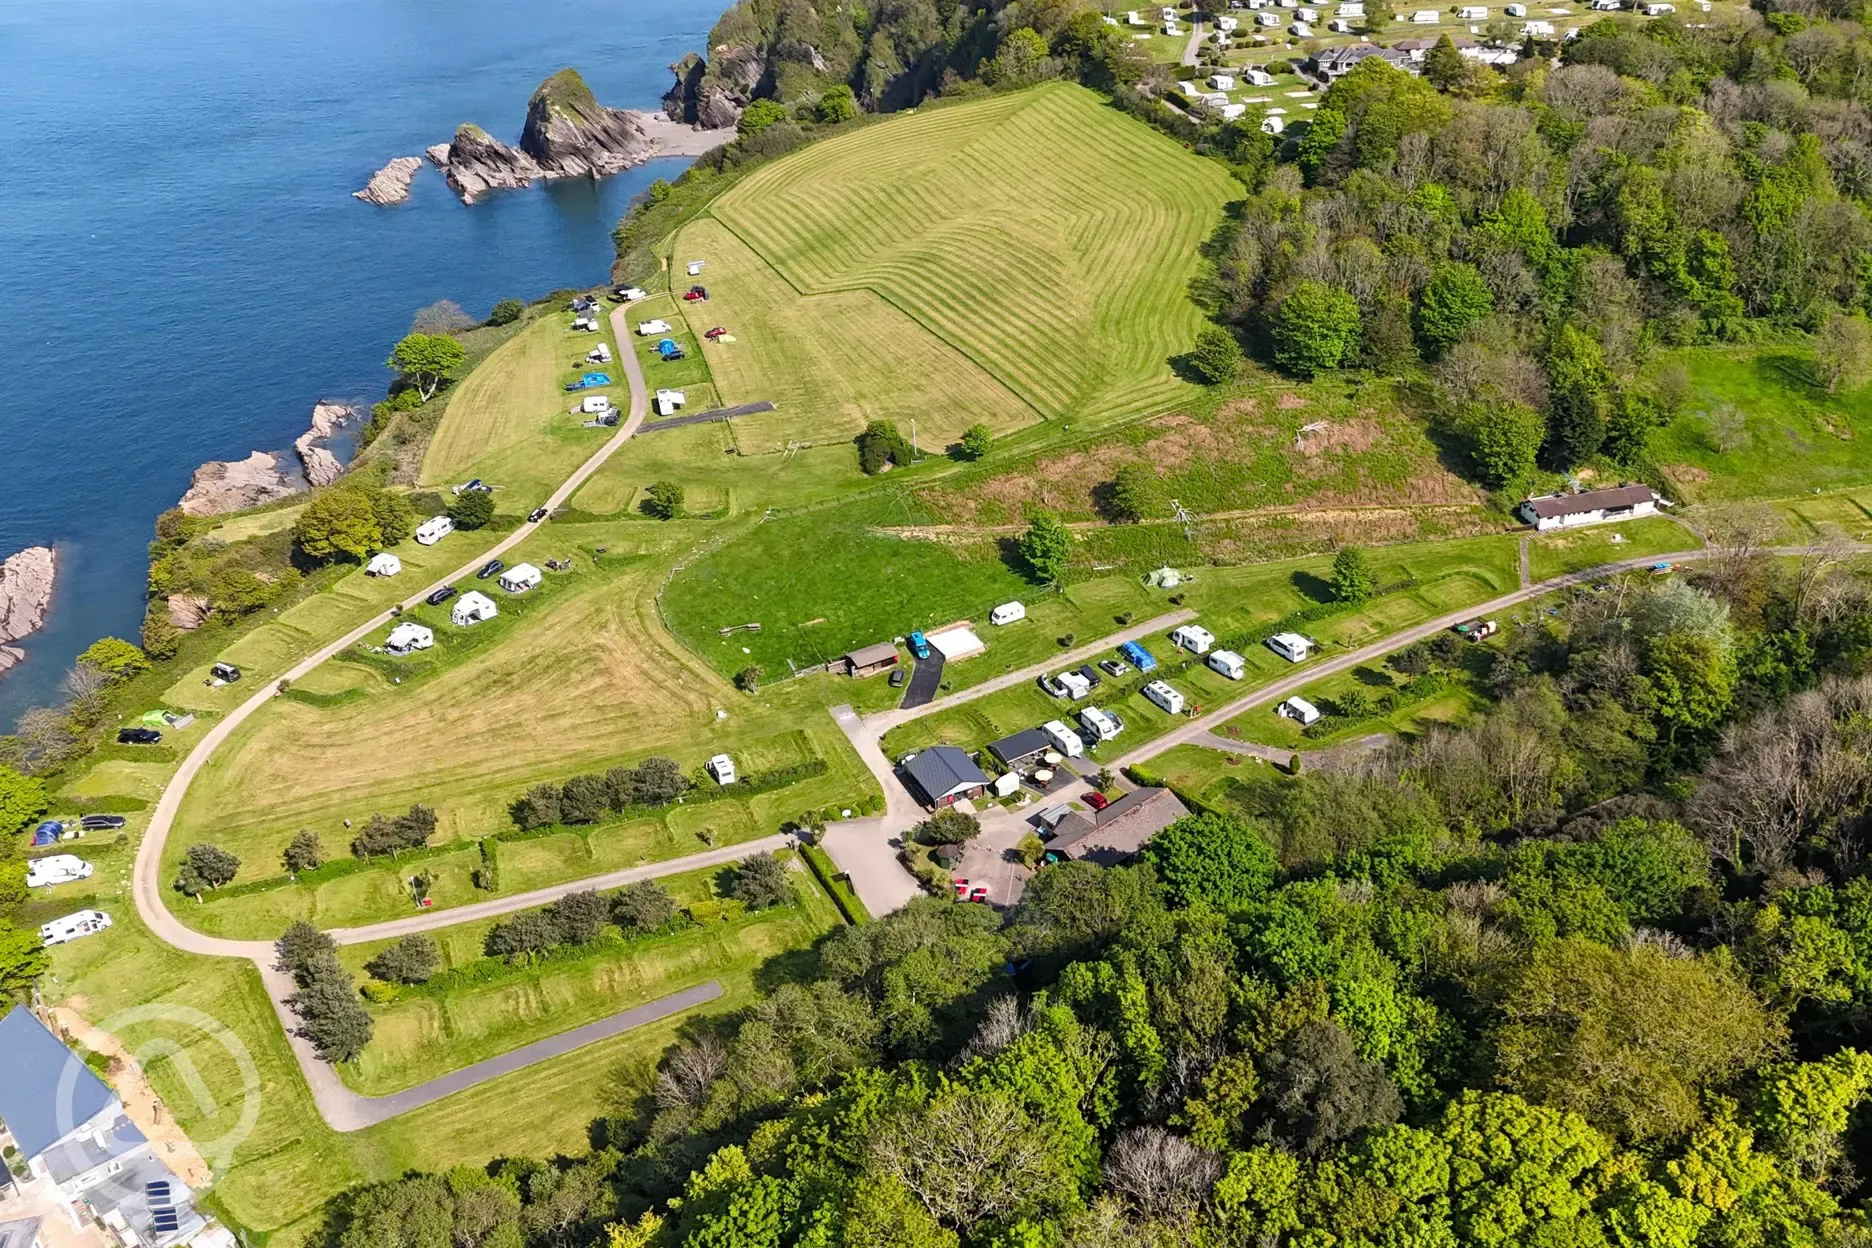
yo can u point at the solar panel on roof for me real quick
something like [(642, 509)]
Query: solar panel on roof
[(158, 1192), (166, 1221)]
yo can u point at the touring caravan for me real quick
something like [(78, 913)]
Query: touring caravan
[(1192, 638), (384, 564), (1166, 698), (520, 578), (1007, 613), (721, 767), (1100, 725), (434, 529), (472, 608), (1063, 739), (1299, 710), (1228, 664), (1291, 646)]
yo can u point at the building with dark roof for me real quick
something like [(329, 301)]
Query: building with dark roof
[(870, 659), (48, 1093), (942, 775), (1118, 832), (1565, 511), (1028, 743)]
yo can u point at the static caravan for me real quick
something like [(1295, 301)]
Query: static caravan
[(1291, 646), (1007, 613), (520, 578), (1166, 698), (1062, 738), (1298, 709), (434, 529), (1134, 18), (1540, 30), (1171, 28), (1476, 13), (1100, 725), (1228, 663), (1267, 19), (1228, 25), (1339, 26), (1193, 638), (1222, 82), (1424, 17), (472, 608), (1310, 16), (1214, 99), (1257, 77), (1516, 10), (408, 636), (1356, 8), (384, 564), (721, 767), (1234, 112), (1659, 10)]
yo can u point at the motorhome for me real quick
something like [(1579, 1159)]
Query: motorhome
[(73, 927), (57, 869)]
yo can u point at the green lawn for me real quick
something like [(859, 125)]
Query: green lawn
[(1554, 554), (719, 475), (1032, 250), (421, 1035)]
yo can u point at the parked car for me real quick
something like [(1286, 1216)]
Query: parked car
[(1097, 800), (226, 673), (138, 736), (100, 823), (1091, 675), (919, 645), (537, 514), (441, 596), (1114, 668), (492, 567), (695, 293), (715, 333), (897, 678)]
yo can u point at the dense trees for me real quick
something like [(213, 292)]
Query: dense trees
[(663, 500), (471, 509), (880, 446), (1046, 547), (590, 797), (352, 520), (411, 960), (330, 1014), (380, 836)]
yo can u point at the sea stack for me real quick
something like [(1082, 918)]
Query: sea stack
[(568, 134), (25, 593), (390, 184)]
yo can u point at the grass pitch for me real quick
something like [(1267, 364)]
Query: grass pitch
[(1043, 237)]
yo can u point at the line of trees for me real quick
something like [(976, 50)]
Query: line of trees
[(331, 1015), (589, 797), (580, 918)]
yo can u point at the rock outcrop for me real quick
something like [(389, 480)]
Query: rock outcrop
[(390, 184), (188, 612), (711, 94), (568, 134), (231, 485), (321, 466), (25, 593)]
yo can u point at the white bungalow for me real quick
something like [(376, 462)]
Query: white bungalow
[(1291, 646), (520, 578), (383, 564), (434, 529), (1298, 709), (472, 608), (408, 636), (1566, 511)]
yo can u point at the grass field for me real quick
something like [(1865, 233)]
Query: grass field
[(717, 471), (577, 675), (508, 422), (1554, 554), (421, 1035), (1042, 236)]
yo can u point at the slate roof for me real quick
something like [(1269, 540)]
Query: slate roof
[(48, 1092), (1591, 500), (941, 770), (1120, 830), (1023, 744), (74, 1157)]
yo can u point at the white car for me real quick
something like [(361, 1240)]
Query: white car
[(646, 328), (74, 926), (56, 869)]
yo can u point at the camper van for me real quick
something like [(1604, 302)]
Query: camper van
[(1166, 698), (434, 529), (1193, 638), (407, 636), (721, 767), (1291, 646), (57, 869), (650, 329), (1228, 664), (73, 926), (1007, 613), (1100, 725), (1062, 738)]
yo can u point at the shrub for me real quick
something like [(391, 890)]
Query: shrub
[(836, 105), (948, 826), (471, 509), (881, 444), (975, 442), (538, 807), (748, 679), (759, 115), (761, 882), (303, 852), (205, 867), (664, 500), (583, 799), (1216, 357), (411, 960), (115, 657), (579, 916), (506, 312), (642, 907)]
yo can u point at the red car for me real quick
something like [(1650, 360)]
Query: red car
[(696, 292), (1097, 801), (715, 333), (979, 893)]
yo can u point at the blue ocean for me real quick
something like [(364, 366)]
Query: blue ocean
[(183, 270)]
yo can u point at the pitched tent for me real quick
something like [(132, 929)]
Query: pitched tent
[(520, 578), (472, 608)]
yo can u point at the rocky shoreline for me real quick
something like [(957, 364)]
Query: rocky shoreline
[(221, 486), (25, 594)]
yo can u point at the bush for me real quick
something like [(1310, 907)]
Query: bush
[(303, 852), (642, 907), (1216, 357), (506, 312), (538, 808), (584, 799), (579, 916), (836, 105), (761, 882), (471, 509), (411, 960), (881, 444), (975, 442), (759, 115), (664, 500), (748, 679), (948, 826)]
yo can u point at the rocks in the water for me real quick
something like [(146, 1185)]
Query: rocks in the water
[(221, 486), (25, 593), (321, 466), (390, 184), (438, 154), (568, 134), (478, 162), (188, 611)]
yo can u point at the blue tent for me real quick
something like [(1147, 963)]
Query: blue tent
[(48, 833)]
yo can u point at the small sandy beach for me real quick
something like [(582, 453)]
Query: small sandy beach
[(673, 138)]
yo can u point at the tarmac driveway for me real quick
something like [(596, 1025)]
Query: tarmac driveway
[(925, 681)]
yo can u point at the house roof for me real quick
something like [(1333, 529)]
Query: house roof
[(1022, 744), (871, 656), (18, 1234), (48, 1091), (73, 1157), (943, 769), (1121, 829), (1556, 505)]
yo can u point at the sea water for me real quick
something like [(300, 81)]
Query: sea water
[(183, 270)]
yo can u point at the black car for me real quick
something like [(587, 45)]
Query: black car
[(441, 596), (897, 679), (99, 823), (1092, 676), (138, 736), (490, 568), (225, 672), (536, 515)]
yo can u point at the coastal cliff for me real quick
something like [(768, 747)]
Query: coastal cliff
[(321, 466), (25, 593), (476, 162), (220, 486)]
